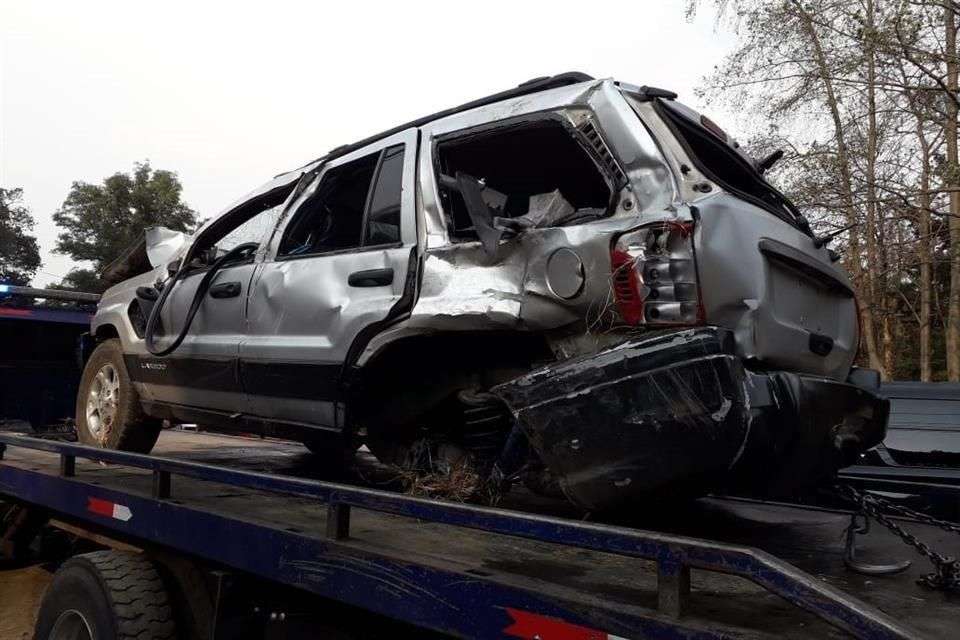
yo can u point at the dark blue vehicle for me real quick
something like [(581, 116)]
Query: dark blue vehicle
[(39, 364)]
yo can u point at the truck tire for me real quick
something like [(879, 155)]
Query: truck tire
[(109, 414), (106, 595)]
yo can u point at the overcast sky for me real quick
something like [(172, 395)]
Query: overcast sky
[(229, 94)]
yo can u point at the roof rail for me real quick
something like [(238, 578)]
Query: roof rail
[(534, 85)]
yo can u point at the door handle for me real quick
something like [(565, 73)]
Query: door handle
[(371, 278), (225, 290)]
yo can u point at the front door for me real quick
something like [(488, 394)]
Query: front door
[(202, 372), (337, 265)]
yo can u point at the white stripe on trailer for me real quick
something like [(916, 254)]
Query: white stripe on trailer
[(109, 509)]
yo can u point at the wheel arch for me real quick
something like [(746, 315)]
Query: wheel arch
[(105, 331), (488, 345), (89, 341), (429, 365)]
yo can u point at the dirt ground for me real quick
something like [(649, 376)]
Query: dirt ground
[(20, 593)]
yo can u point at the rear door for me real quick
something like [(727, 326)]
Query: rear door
[(337, 265)]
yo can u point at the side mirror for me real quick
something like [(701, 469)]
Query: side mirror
[(147, 293), (173, 267)]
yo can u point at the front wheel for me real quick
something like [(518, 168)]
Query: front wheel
[(109, 414)]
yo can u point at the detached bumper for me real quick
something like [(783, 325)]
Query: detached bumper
[(677, 415)]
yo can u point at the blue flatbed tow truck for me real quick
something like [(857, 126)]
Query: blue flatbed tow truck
[(252, 541), (216, 536)]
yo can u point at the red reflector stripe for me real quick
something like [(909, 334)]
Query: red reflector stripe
[(531, 625), (100, 507), (19, 313)]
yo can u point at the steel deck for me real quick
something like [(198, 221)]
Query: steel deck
[(263, 507)]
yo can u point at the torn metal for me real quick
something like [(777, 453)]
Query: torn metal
[(154, 248), (163, 244), (678, 415), (689, 326)]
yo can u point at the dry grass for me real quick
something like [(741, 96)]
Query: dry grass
[(458, 482)]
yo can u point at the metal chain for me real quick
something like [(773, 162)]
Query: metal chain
[(947, 569), (907, 512)]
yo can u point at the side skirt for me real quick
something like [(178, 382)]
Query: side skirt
[(237, 422)]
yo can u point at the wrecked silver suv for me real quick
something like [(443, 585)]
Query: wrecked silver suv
[(579, 282)]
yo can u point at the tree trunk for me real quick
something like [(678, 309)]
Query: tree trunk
[(861, 276), (919, 107), (924, 250), (953, 185), (887, 326), (872, 297)]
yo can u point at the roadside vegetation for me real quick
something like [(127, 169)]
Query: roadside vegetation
[(98, 222), (19, 252), (862, 97)]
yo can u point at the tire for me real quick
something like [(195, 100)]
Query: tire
[(316, 447), (118, 423), (106, 595), (331, 452)]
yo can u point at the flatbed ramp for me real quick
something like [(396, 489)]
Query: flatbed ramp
[(263, 507)]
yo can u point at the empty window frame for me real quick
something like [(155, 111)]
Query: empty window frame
[(711, 153), (520, 161), (356, 204)]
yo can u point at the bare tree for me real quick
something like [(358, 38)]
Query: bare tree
[(953, 187), (863, 95)]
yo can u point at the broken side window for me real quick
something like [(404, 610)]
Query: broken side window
[(383, 217), (532, 174), (356, 204), (332, 218)]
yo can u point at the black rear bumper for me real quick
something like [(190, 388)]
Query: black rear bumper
[(677, 414)]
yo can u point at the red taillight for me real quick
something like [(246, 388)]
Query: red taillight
[(654, 275), (626, 286)]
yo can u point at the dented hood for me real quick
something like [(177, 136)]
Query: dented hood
[(156, 246), (163, 244)]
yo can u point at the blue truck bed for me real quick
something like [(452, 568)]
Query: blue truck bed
[(256, 507)]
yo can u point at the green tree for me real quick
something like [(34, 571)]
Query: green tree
[(80, 279), (100, 221), (19, 253)]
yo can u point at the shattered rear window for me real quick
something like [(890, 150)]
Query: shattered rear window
[(710, 149)]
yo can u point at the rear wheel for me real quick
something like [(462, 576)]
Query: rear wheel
[(331, 452), (109, 414), (106, 595)]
